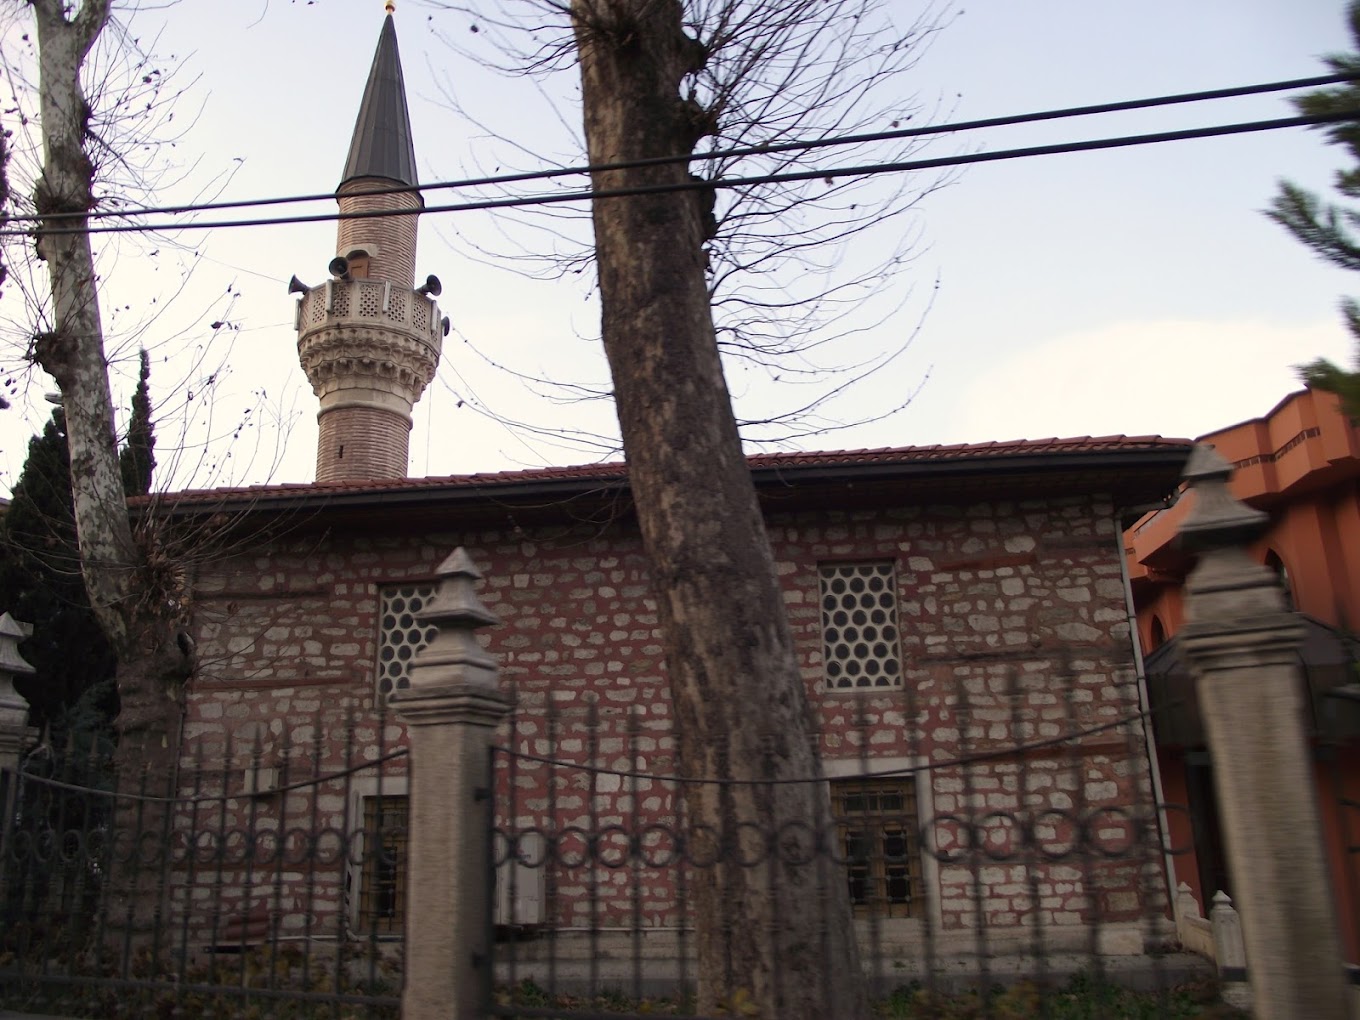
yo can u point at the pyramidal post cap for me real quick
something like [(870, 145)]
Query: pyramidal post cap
[(11, 633), (1218, 518)]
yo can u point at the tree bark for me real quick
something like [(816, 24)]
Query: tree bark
[(125, 595), (776, 937)]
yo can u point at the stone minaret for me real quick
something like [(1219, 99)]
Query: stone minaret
[(368, 340)]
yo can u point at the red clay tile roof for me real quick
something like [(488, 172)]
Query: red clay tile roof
[(765, 463)]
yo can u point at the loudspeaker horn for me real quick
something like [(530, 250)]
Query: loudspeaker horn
[(339, 267), (296, 286), (431, 287)]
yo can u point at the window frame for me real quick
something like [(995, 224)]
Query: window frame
[(854, 770), (358, 873), (829, 634), (886, 869)]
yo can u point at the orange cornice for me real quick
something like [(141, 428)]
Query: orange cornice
[(1304, 442)]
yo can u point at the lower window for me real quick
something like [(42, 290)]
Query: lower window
[(382, 884), (878, 830)]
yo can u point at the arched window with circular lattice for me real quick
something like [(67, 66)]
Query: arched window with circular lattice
[(861, 647)]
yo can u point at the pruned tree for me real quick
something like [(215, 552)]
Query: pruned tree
[(1327, 229), (133, 589), (740, 705), (687, 277), (809, 279), (5, 134)]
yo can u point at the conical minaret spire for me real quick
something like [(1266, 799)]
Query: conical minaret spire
[(369, 340), (382, 145)]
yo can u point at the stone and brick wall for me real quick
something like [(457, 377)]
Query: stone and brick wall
[(1013, 631)]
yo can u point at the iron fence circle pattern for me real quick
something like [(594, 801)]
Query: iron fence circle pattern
[(604, 840), (178, 850), (1093, 841), (788, 839), (936, 846), (233, 849), (122, 847), (666, 832), (1052, 835), (502, 848), (205, 849), (299, 840), (562, 839), (72, 847), (755, 835), (19, 846), (150, 849), (266, 848), (1058, 819), (330, 846), (1015, 849), (525, 840), (700, 835)]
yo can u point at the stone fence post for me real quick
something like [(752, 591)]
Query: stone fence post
[(1229, 951), (1241, 645), (16, 736), (1193, 931), (451, 711)]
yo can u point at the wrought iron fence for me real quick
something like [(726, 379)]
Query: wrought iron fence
[(1010, 865), (259, 882), (1014, 863)]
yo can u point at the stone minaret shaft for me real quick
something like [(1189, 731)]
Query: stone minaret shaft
[(368, 341)]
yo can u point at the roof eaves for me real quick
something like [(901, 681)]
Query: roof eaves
[(769, 471)]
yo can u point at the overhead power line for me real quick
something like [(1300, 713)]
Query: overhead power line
[(829, 173), (808, 145)]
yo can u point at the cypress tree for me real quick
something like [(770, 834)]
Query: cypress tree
[(40, 583), (137, 459), (72, 692)]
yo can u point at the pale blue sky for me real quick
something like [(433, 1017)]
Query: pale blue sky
[(1128, 291)]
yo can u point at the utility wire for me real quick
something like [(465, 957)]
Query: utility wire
[(867, 170), (732, 153)]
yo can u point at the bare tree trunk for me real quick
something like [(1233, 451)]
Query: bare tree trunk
[(777, 935), (124, 595)]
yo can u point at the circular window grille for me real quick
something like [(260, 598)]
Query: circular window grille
[(340, 300), (400, 635), (860, 647)]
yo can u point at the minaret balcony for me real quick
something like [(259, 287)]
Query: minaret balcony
[(363, 305)]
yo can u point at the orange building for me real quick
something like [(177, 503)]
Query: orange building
[(1300, 463)]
